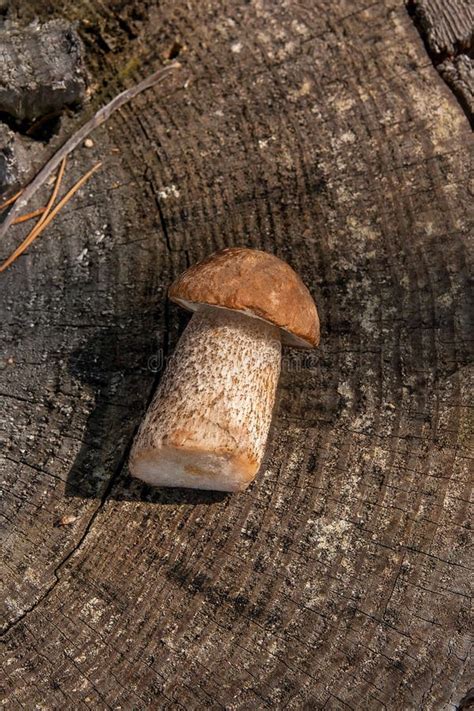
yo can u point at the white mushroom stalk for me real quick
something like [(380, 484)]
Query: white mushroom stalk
[(208, 423)]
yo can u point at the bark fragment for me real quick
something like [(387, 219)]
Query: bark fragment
[(43, 70), (19, 155)]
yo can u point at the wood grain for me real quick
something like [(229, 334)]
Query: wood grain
[(340, 579), (447, 27)]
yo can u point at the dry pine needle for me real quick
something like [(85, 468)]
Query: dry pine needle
[(49, 212)]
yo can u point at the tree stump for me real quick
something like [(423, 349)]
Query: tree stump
[(323, 133)]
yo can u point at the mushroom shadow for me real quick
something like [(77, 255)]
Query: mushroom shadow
[(120, 368)]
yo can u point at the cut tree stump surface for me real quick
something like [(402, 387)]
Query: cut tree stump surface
[(321, 132)]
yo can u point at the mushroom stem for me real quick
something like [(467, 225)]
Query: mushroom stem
[(208, 423)]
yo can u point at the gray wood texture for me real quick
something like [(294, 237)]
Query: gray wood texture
[(341, 579), (42, 70), (447, 27)]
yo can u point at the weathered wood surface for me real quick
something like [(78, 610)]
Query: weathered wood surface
[(42, 74), (321, 132), (447, 27), (42, 70)]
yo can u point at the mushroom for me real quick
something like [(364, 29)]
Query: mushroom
[(207, 425)]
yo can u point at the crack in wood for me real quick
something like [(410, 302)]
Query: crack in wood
[(42, 598)]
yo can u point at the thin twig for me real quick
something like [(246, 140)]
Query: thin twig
[(48, 216), (29, 216), (102, 115), (10, 200)]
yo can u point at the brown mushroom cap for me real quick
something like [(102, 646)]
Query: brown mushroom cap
[(255, 283)]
